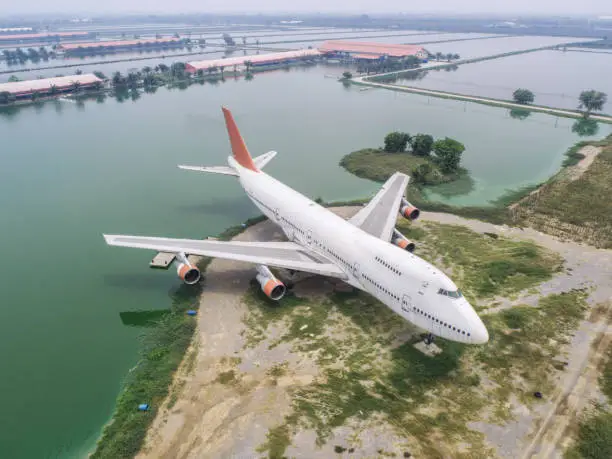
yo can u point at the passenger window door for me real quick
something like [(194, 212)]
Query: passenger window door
[(423, 287)]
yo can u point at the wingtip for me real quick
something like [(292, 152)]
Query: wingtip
[(108, 238)]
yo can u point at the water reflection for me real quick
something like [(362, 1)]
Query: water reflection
[(585, 127), (463, 185), (519, 113)]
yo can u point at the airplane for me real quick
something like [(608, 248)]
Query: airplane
[(365, 251)]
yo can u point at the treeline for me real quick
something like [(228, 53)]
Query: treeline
[(589, 101), (388, 65), (446, 158), (19, 56)]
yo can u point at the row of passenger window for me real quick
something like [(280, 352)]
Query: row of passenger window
[(438, 321), (380, 287), (389, 266)]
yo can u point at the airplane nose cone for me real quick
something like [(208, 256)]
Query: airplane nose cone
[(480, 335)]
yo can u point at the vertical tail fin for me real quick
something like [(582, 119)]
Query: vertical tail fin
[(239, 149)]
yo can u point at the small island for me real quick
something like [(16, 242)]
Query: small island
[(427, 162)]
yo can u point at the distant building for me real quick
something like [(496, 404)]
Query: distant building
[(256, 61), (16, 30), (111, 46), (370, 50), (25, 89), (48, 37)]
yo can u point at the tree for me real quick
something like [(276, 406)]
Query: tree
[(439, 55), (456, 56), (396, 142), (592, 101), (422, 144), (76, 86), (163, 68), (146, 70), (244, 40), (176, 35), (523, 96), (99, 75), (449, 57), (257, 42), (132, 79), (448, 154), (78, 72), (420, 172), (13, 79), (411, 62), (53, 89), (5, 97), (118, 79), (347, 75)]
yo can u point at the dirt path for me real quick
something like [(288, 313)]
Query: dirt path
[(219, 413)]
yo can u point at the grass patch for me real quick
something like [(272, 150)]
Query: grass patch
[(427, 401), (163, 350), (594, 436), (481, 265), (378, 165), (579, 209), (226, 377), (605, 381), (278, 440)]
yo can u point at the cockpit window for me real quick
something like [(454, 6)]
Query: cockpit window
[(450, 293)]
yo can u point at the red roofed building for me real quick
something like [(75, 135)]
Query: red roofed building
[(369, 50)]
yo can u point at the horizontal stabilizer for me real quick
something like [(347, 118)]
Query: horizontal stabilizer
[(225, 170), (264, 159)]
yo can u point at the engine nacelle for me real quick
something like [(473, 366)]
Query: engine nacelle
[(187, 272), (409, 211), (270, 285), (402, 241)]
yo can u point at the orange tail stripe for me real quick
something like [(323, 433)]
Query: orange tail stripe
[(239, 149)]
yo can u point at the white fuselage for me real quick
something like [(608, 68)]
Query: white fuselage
[(407, 284)]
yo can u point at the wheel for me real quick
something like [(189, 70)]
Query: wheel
[(429, 339)]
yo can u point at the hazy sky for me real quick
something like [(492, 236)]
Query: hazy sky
[(552, 7)]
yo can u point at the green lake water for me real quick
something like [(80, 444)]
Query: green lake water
[(69, 172), (555, 77)]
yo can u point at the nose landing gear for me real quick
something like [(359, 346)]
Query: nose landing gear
[(429, 339)]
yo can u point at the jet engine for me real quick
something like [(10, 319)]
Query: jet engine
[(270, 285), (409, 211), (188, 273), (402, 242)]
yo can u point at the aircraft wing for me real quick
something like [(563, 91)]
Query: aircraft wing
[(277, 254), (378, 217)]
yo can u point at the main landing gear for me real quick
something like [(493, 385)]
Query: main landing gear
[(429, 339)]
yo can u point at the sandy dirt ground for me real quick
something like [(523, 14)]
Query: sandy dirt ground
[(212, 419)]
